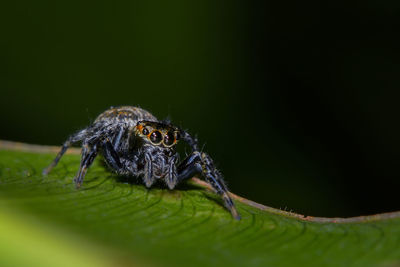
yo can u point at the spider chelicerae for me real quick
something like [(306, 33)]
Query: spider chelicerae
[(135, 143)]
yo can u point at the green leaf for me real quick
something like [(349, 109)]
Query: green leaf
[(113, 221)]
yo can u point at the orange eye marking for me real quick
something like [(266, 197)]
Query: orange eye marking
[(140, 127)]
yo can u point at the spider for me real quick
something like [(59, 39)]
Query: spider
[(134, 143)]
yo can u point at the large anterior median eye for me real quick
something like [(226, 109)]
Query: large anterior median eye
[(155, 137), (169, 139)]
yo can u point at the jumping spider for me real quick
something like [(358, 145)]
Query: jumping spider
[(134, 143)]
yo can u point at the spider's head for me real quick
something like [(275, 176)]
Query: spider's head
[(158, 134)]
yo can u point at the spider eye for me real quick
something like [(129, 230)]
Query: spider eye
[(145, 131), (169, 139), (156, 137)]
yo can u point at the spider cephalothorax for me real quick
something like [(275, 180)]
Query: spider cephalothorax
[(134, 143), (155, 144)]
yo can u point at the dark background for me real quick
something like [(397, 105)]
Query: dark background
[(297, 102)]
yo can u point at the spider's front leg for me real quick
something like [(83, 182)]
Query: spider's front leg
[(201, 163)]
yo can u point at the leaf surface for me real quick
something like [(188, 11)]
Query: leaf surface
[(188, 225)]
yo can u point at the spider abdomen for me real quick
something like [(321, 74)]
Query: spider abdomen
[(125, 114)]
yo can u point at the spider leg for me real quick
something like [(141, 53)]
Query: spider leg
[(192, 141), (202, 164), (214, 178), (71, 140), (189, 167), (117, 139), (89, 153), (111, 155)]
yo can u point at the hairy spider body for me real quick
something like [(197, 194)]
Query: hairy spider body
[(135, 143)]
